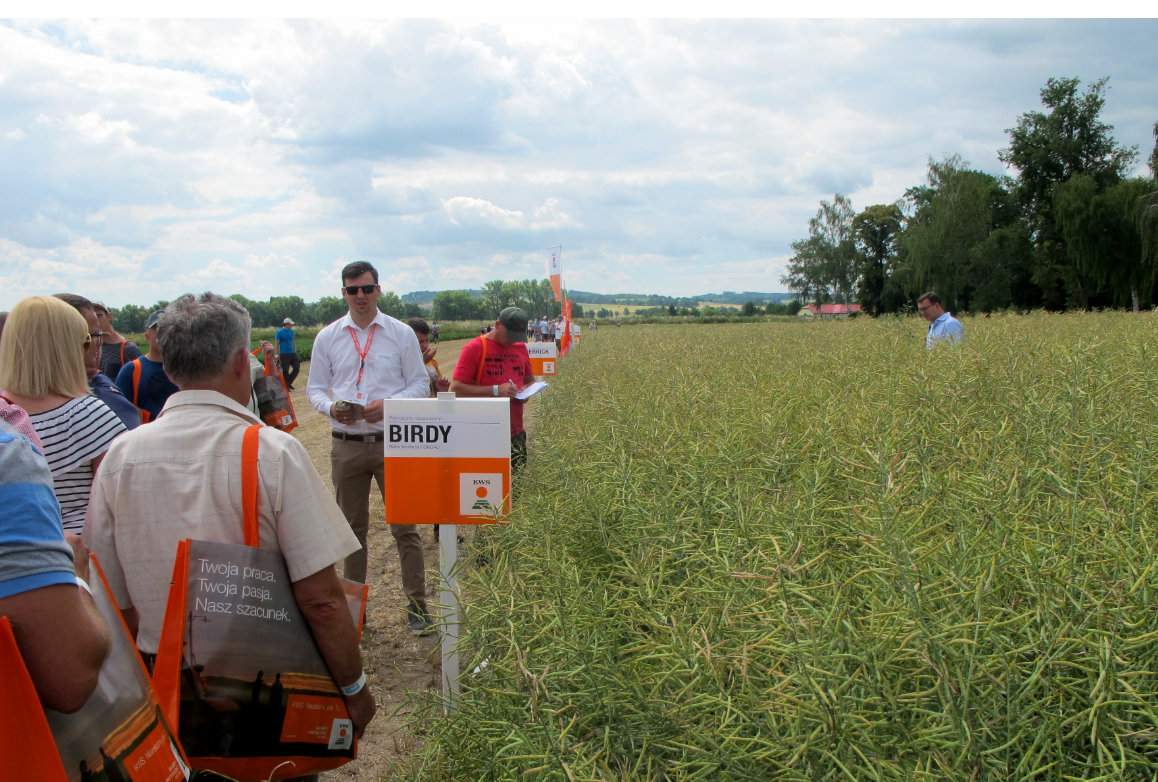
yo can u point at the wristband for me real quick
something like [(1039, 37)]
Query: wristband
[(350, 690), (80, 582), (494, 390)]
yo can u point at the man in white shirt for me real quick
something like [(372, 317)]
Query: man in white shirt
[(943, 327), (180, 477), (357, 362)]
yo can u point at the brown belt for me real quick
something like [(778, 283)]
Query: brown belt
[(377, 437)]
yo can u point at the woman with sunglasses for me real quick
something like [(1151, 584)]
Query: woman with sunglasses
[(42, 354)]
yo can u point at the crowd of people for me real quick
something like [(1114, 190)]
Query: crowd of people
[(107, 448)]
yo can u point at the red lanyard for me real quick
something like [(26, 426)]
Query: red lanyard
[(361, 353)]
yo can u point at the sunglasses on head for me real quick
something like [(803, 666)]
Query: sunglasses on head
[(353, 289)]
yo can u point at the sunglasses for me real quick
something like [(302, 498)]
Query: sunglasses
[(352, 290)]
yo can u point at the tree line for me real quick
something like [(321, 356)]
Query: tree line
[(534, 296), (1070, 230)]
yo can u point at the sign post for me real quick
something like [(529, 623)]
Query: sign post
[(447, 461)]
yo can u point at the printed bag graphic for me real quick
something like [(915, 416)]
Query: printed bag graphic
[(119, 735), (274, 404), (238, 671)]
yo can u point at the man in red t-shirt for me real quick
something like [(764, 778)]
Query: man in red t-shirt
[(497, 364)]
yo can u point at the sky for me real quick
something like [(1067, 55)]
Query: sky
[(142, 159)]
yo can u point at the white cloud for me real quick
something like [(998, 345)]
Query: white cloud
[(665, 156)]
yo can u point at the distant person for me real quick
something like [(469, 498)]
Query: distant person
[(497, 365), (99, 383), (115, 349), (422, 330), (558, 333), (358, 361), (435, 330), (287, 354), (143, 380), (62, 638), (42, 369), (943, 327), (180, 477)]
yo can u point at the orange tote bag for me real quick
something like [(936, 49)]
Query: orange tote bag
[(237, 670)]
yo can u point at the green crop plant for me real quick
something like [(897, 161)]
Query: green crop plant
[(816, 551)]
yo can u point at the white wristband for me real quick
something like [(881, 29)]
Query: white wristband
[(494, 390), (80, 582), (350, 690)]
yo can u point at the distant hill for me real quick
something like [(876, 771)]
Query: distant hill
[(638, 299)]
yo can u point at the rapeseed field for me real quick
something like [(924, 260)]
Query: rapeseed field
[(816, 551)]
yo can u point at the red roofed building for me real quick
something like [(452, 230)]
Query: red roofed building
[(829, 310)]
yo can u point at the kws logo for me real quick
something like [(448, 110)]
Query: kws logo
[(480, 493)]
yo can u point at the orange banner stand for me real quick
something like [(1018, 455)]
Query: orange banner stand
[(447, 461), (555, 274)]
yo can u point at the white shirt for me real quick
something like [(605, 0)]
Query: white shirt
[(180, 477), (394, 368)]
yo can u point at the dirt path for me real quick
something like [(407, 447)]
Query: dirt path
[(397, 663)]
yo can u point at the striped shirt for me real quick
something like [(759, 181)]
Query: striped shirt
[(73, 435), (33, 553)]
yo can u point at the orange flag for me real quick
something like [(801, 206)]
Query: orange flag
[(555, 273)]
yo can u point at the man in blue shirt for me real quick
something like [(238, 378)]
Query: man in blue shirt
[(143, 380), (287, 353), (943, 327)]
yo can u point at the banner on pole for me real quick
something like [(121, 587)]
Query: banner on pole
[(447, 461), (543, 358), (555, 273)]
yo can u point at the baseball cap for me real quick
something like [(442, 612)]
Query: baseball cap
[(287, 322), (152, 320), (515, 321)]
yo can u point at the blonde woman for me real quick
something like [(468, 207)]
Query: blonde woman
[(42, 370)]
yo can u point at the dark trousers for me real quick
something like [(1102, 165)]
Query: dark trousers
[(352, 465), (291, 365), (518, 451)]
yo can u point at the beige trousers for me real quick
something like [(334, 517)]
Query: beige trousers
[(352, 465)]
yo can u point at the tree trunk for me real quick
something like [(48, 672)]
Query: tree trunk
[(1134, 297)]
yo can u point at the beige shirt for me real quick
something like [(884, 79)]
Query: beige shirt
[(180, 477)]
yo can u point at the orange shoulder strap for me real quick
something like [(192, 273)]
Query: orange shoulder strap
[(167, 668), (137, 382), (482, 361), (249, 447)]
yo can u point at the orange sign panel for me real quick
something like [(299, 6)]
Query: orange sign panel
[(543, 358), (447, 461)]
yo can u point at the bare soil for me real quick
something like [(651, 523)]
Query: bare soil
[(398, 664)]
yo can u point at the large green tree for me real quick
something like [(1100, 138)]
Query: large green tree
[(965, 240), (1105, 236), (1049, 147), (823, 267), (875, 232), (456, 305)]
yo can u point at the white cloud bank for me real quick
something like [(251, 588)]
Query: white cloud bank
[(143, 159)]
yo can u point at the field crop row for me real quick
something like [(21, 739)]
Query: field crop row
[(813, 551)]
